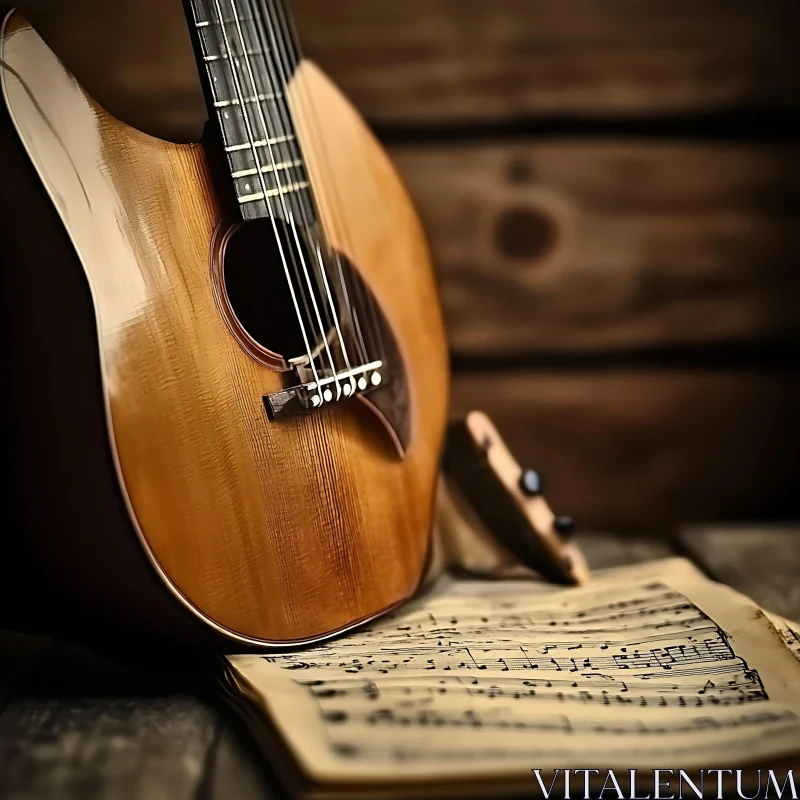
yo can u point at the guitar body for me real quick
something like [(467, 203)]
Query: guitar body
[(224, 522)]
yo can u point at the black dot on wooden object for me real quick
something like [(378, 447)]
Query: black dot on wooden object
[(565, 526), (521, 170), (525, 233), (530, 483)]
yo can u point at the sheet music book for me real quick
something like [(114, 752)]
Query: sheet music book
[(475, 684)]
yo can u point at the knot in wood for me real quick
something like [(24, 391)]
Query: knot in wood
[(524, 233)]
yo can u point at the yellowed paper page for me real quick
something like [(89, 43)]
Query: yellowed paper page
[(650, 665)]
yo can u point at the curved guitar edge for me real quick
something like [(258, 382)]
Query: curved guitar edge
[(154, 618), (56, 563), (329, 167), (431, 429)]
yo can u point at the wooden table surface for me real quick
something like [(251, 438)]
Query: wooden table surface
[(78, 727)]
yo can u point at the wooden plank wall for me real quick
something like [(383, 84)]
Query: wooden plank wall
[(612, 192)]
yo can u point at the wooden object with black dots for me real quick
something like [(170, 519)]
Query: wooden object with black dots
[(508, 501)]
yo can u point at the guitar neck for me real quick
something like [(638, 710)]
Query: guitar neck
[(249, 54)]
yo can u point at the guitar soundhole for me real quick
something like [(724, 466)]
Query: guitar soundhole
[(350, 337), (261, 296)]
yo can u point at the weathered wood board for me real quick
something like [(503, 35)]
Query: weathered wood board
[(589, 246), (645, 449), (761, 563), (133, 748), (450, 61)]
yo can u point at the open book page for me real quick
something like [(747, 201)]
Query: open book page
[(650, 665)]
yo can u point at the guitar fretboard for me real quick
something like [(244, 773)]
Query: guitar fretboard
[(250, 54)]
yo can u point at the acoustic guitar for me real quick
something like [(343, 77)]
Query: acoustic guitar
[(229, 385)]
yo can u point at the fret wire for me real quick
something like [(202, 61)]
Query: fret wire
[(223, 57), (259, 99), (268, 168), (260, 143), (215, 24), (229, 108), (293, 187)]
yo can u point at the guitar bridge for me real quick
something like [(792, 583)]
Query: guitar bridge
[(316, 395)]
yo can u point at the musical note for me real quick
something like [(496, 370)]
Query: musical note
[(641, 652), (633, 660)]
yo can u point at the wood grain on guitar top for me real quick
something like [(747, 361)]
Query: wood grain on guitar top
[(273, 532)]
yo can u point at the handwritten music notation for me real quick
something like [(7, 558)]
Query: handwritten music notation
[(422, 691), (645, 637), (624, 669), (705, 735), (558, 723)]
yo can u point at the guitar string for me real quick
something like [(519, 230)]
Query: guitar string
[(319, 147), (289, 216), (283, 48), (282, 77), (312, 351), (360, 288), (305, 203), (280, 39), (251, 140), (287, 69)]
